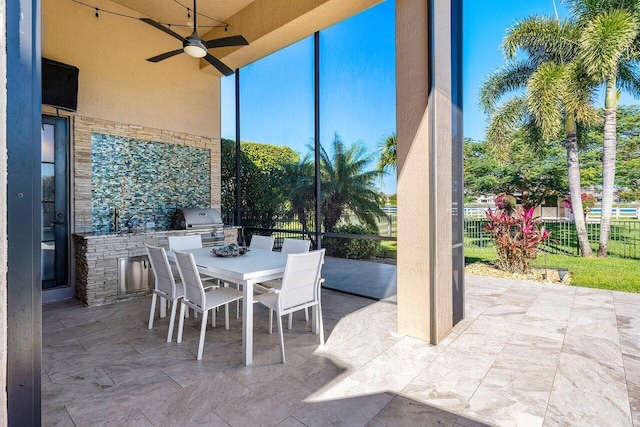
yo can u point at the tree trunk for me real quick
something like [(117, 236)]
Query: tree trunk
[(573, 167), (608, 164)]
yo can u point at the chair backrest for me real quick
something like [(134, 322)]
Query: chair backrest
[(262, 242), (178, 243), (193, 289), (301, 280), (295, 246), (161, 270)]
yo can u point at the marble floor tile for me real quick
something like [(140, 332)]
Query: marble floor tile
[(546, 328), (195, 404), (595, 348), (470, 422), (626, 298), (526, 354), (508, 408), (591, 376), (515, 391), (266, 369), (586, 297), (628, 316), (632, 375), (575, 407), (402, 411), (73, 333), (56, 416), (593, 321), (291, 422), (143, 365), (551, 306), (267, 405), (117, 404), (395, 368), (318, 373), (630, 342), (452, 377), (354, 411), (360, 348)]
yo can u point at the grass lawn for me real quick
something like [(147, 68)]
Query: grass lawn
[(389, 249), (612, 273)]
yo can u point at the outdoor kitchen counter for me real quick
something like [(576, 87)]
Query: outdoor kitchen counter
[(97, 255)]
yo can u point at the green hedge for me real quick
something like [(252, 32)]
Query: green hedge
[(352, 248)]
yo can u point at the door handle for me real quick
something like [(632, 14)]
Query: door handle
[(60, 220)]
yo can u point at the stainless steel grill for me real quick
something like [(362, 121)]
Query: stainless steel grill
[(201, 219)]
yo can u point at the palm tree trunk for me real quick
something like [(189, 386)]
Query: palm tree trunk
[(573, 167), (608, 164)]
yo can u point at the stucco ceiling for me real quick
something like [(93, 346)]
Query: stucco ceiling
[(171, 11)]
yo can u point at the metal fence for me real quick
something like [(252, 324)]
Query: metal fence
[(284, 224), (624, 241)]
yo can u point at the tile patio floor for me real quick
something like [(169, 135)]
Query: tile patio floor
[(527, 354)]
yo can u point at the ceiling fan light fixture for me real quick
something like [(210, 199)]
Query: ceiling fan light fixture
[(195, 48)]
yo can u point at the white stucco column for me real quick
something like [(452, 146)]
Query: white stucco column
[(424, 131)]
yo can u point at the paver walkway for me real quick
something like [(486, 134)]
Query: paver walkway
[(527, 354)]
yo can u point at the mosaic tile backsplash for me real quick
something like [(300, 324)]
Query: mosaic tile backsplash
[(145, 180)]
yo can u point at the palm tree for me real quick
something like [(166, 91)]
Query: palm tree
[(556, 94), (348, 184), (610, 52), (388, 160), (298, 188)]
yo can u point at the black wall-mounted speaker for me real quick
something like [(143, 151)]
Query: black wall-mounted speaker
[(59, 85)]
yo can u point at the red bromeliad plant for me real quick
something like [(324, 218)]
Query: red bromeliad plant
[(516, 237)]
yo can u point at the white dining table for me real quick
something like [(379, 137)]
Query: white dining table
[(255, 266)]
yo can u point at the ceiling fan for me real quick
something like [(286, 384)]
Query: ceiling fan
[(194, 45)]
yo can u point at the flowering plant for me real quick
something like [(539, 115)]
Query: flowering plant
[(506, 202), (516, 237), (588, 202)]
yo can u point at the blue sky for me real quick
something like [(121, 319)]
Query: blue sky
[(358, 79)]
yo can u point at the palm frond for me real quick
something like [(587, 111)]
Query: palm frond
[(505, 79), (504, 121), (585, 10), (546, 90), (629, 77), (542, 39), (579, 96), (605, 40)]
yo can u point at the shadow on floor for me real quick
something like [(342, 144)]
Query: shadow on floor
[(346, 275)]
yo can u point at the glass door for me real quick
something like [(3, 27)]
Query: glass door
[(55, 207)]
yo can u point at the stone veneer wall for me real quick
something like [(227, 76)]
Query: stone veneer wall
[(84, 127), (146, 180), (96, 260)]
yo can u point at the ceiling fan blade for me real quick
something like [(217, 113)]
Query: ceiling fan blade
[(165, 55), (162, 28), (218, 64), (226, 41)]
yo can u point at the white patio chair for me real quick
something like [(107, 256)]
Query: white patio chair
[(300, 289), (200, 301), (289, 246), (165, 286), (257, 242), (262, 242), (179, 243), (295, 246)]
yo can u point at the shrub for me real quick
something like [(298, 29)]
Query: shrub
[(352, 248), (516, 237), (588, 202)]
